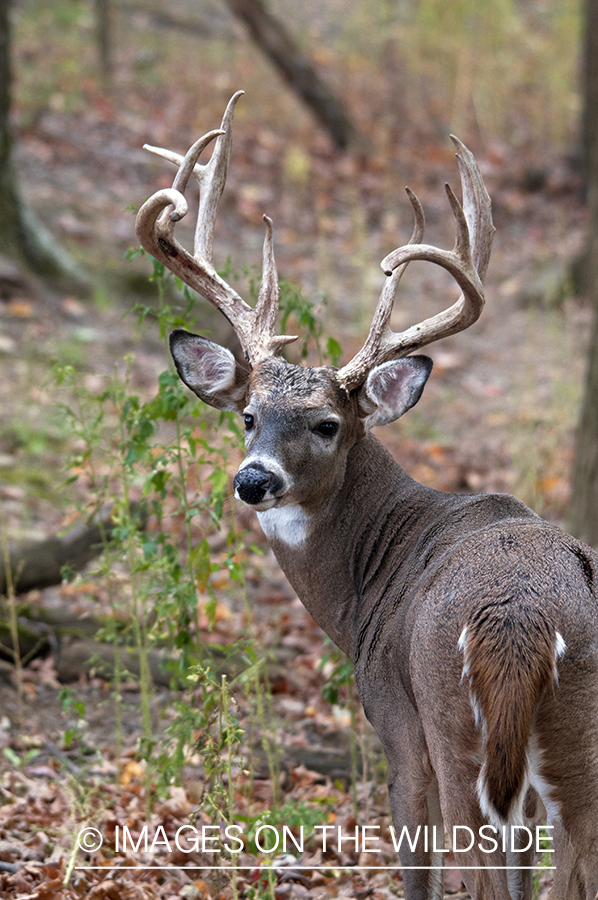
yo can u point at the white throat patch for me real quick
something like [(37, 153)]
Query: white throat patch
[(288, 524)]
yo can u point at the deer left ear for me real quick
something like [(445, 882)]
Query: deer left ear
[(393, 388)]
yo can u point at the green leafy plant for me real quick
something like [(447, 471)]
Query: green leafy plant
[(162, 463)]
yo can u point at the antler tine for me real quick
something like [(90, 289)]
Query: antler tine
[(467, 263), (356, 370), (211, 179), (266, 308), (155, 230), (477, 207)]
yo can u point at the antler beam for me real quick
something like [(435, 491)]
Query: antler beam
[(155, 229), (467, 263)]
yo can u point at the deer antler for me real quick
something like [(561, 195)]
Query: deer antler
[(155, 229), (467, 263)]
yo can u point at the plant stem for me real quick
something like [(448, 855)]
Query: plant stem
[(226, 697)]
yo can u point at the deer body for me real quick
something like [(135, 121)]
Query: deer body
[(399, 575), (472, 624)]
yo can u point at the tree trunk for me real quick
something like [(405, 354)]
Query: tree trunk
[(70, 637), (584, 500), (40, 564), (589, 119), (22, 237), (104, 38), (271, 37)]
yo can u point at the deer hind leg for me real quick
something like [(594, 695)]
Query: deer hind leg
[(414, 804), (415, 813), (482, 864), (564, 771), (572, 808), (575, 872)]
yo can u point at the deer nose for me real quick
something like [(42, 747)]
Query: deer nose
[(253, 483)]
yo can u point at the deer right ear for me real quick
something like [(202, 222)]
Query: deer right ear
[(211, 371), (392, 388)]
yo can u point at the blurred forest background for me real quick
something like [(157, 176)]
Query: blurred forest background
[(129, 589)]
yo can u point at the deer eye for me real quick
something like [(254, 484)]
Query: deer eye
[(327, 429), (249, 421)]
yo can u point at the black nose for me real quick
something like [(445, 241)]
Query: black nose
[(252, 483)]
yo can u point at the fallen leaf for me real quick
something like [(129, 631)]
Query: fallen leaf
[(20, 309), (131, 770)]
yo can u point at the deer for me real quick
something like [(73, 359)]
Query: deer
[(471, 623)]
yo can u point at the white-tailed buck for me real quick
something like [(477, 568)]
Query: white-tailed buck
[(472, 624)]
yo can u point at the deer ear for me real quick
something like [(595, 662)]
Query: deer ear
[(393, 388), (211, 371)]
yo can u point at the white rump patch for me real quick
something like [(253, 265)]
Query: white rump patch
[(484, 801), (559, 645), (473, 699), (560, 648), (462, 646), (539, 783), (289, 524), (462, 640)]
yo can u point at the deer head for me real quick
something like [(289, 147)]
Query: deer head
[(322, 411)]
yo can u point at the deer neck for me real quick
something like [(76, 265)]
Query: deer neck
[(335, 556)]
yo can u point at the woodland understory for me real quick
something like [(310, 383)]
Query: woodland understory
[(175, 679)]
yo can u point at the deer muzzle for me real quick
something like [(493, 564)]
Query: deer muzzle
[(253, 482)]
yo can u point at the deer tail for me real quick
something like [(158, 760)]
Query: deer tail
[(510, 656)]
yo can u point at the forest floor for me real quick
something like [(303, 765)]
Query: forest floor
[(498, 414)]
